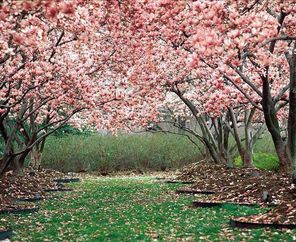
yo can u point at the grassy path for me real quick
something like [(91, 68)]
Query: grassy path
[(132, 209)]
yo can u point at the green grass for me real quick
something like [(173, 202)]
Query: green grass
[(132, 209), (262, 161), (124, 152)]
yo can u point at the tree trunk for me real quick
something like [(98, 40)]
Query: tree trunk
[(273, 126), (241, 150), (213, 152), (36, 157), (223, 134), (269, 111), (4, 163), (16, 166), (248, 152), (291, 144), (18, 162), (7, 156), (248, 158), (208, 138)]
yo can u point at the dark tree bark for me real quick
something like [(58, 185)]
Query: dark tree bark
[(273, 126), (291, 143)]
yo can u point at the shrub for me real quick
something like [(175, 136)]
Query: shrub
[(262, 161), (125, 152)]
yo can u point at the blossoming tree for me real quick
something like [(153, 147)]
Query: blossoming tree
[(58, 61), (247, 45)]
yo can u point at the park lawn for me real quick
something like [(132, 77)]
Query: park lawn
[(132, 209)]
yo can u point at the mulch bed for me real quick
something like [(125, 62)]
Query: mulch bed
[(18, 208), (245, 186), (17, 191), (283, 216), (240, 184), (26, 187), (237, 223)]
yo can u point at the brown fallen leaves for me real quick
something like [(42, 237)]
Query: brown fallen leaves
[(29, 184), (245, 185)]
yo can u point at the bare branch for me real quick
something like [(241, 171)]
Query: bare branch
[(244, 93), (4, 59), (61, 123), (246, 80), (274, 39), (281, 93)]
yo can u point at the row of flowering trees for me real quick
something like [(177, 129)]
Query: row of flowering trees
[(59, 64), (228, 61), (113, 63)]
